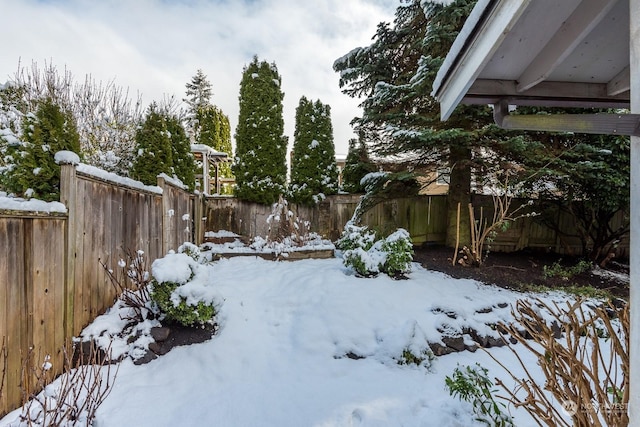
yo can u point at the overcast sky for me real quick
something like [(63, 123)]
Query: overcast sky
[(156, 46)]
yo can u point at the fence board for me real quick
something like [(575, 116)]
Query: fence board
[(51, 281)]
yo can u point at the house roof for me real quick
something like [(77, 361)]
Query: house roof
[(569, 53)]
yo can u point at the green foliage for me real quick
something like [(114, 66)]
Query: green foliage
[(368, 257), (399, 250), (314, 174), (354, 236), (473, 385), (590, 177), (46, 132), (566, 273), (182, 159), (153, 148), (198, 92), (172, 298), (357, 165), (425, 358), (395, 75), (260, 159), (183, 313)]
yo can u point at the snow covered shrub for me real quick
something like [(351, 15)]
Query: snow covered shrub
[(424, 358), (368, 257), (355, 236), (366, 263), (181, 290), (398, 248)]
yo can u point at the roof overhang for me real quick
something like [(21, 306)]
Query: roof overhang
[(569, 53)]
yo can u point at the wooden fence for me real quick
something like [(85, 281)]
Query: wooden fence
[(51, 282), (424, 217)]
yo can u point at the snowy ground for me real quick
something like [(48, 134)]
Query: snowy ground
[(279, 356)]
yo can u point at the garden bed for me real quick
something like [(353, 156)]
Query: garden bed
[(224, 244)]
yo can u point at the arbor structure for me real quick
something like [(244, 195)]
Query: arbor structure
[(394, 75), (154, 154), (314, 173), (260, 159), (35, 172)]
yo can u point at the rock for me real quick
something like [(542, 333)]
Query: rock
[(155, 348), (148, 357), (440, 349), (557, 330), (160, 334), (456, 343)]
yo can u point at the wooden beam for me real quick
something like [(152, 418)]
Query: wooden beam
[(547, 89), (603, 124), (570, 34), (620, 83), (634, 252)]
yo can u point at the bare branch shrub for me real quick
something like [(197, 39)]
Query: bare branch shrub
[(3, 364), (587, 371), (105, 115), (485, 228), (131, 283), (285, 226), (71, 399)]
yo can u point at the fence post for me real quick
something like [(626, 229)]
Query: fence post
[(166, 217), (68, 187), (198, 222)]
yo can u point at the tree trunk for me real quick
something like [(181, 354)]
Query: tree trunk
[(459, 192)]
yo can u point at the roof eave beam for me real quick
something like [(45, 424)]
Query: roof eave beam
[(606, 124), (620, 83)]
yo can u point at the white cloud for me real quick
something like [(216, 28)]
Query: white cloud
[(155, 46)]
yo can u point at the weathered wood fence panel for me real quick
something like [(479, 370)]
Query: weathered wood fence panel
[(31, 293), (51, 281), (425, 217)]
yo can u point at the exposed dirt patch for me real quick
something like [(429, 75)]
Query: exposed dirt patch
[(525, 270)]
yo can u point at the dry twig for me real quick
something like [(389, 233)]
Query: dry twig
[(587, 371)]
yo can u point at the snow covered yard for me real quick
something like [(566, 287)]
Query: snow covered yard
[(280, 357)]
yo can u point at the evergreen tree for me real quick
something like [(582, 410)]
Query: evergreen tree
[(215, 131), (198, 92), (314, 174), (357, 165), (395, 75), (182, 159), (46, 132), (11, 116), (153, 148), (260, 160)]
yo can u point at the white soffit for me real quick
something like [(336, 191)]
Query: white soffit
[(539, 52)]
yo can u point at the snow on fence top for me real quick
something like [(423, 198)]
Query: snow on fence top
[(32, 205)]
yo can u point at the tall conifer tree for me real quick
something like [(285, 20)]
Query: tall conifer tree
[(395, 75), (183, 163), (260, 160), (46, 132), (153, 148), (357, 165), (314, 174)]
